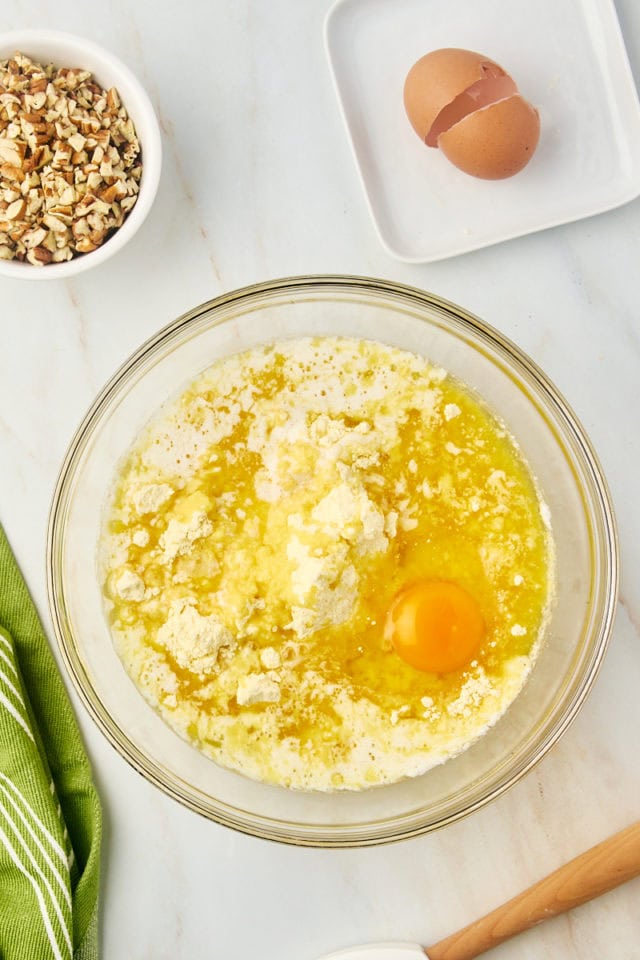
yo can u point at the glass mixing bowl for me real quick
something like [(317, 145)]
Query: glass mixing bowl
[(551, 439)]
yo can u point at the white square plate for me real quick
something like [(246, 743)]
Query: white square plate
[(568, 59)]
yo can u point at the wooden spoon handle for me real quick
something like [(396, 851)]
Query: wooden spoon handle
[(603, 867)]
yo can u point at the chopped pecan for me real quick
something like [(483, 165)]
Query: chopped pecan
[(70, 163)]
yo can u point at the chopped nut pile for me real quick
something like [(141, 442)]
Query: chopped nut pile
[(70, 164)]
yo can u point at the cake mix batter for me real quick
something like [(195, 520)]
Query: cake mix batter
[(327, 565)]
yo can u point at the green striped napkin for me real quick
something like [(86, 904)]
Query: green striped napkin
[(50, 817)]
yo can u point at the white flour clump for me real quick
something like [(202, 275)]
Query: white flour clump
[(130, 586), (150, 497), (257, 688), (178, 537), (193, 641)]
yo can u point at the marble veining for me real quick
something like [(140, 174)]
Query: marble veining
[(259, 182)]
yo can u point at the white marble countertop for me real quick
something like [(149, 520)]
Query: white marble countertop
[(259, 182)]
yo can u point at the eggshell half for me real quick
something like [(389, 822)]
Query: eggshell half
[(438, 78), (494, 142)]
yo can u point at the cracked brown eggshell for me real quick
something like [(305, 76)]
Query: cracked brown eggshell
[(494, 142), (436, 79), (469, 106)]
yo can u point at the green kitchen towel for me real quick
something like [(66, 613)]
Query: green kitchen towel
[(50, 816)]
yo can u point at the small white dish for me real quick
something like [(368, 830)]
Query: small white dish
[(67, 50), (380, 951), (568, 59)]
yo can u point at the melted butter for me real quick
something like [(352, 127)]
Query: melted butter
[(466, 509)]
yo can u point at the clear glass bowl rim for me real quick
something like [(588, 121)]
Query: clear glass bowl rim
[(607, 557)]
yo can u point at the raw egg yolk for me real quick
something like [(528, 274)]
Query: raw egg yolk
[(435, 625)]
